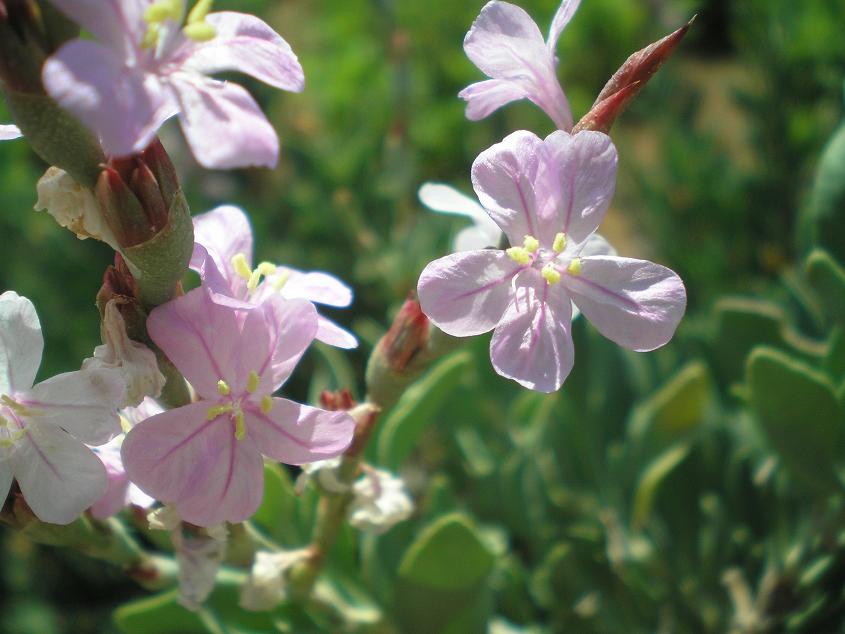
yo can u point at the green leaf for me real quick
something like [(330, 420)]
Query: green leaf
[(403, 426), (441, 585), (677, 408), (828, 279), (651, 479), (826, 213), (797, 409)]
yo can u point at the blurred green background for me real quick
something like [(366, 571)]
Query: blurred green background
[(695, 489)]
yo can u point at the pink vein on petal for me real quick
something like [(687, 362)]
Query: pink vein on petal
[(490, 285)]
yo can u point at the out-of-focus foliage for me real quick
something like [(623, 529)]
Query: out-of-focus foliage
[(695, 489)]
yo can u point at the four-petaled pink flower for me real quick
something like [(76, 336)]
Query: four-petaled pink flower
[(43, 427), (145, 68), (205, 458), (223, 258), (549, 196), (506, 44)]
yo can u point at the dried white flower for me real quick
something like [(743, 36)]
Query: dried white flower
[(73, 206), (134, 360), (380, 501), (265, 588)]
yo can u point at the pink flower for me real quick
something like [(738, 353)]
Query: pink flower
[(9, 132), (43, 427), (145, 68), (205, 458), (506, 44), (549, 197), (121, 492), (223, 258)]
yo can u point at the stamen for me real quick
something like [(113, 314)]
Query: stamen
[(241, 266), (223, 388), (14, 437), (266, 404), (574, 266), (254, 278), (550, 274), (560, 242), (125, 425), (200, 31), (531, 244), (240, 426), (199, 11), (151, 36), (252, 382), (17, 407), (163, 10), (219, 410), (281, 279), (519, 255)]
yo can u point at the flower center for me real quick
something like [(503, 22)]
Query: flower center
[(550, 263), (11, 423), (253, 276), (196, 27), (233, 405)]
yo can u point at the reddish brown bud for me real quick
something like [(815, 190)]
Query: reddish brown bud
[(156, 158), (145, 187), (407, 336), (336, 401), (626, 82), (122, 209)]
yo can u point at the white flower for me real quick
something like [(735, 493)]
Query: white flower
[(43, 427), (265, 588), (380, 501), (136, 362), (73, 206), (447, 200), (324, 472)]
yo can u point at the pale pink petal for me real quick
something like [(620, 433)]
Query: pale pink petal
[(114, 499), (119, 24), (317, 287), (448, 200), (533, 343), (276, 335), (635, 303), (503, 40), (246, 44), (21, 343), (201, 337), (297, 434), (466, 293), (595, 245), (83, 403), (333, 335), (224, 232), (505, 178), (58, 475), (9, 132), (213, 275), (181, 457), (485, 97), (224, 126), (582, 176), (6, 476), (564, 14), (122, 105)]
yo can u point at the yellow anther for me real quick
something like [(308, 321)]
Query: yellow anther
[(252, 382), (219, 410), (200, 31), (223, 388), (519, 255), (199, 11), (560, 242), (266, 268), (163, 10), (530, 244), (281, 279), (240, 426), (241, 266), (125, 425), (574, 266), (266, 404), (550, 274)]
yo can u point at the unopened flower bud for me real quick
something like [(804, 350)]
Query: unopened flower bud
[(626, 82), (341, 400)]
